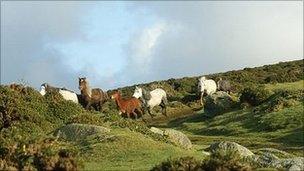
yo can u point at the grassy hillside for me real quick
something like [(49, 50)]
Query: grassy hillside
[(29, 122), (185, 89)]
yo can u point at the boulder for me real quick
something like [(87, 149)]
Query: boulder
[(218, 102), (293, 164), (157, 130), (276, 152), (74, 132), (178, 138), (230, 147), (269, 160)]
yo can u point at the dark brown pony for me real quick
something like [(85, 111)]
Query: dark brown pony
[(95, 97), (127, 106)]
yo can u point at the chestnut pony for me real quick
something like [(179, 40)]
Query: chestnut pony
[(90, 96), (127, 106)]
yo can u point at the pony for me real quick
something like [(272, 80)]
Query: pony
[(206, 86), (127, 106), (224, 85), (90, 97), (150, 99), (66, 94)]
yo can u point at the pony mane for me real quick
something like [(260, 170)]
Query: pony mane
[(65, 89), (146, 94), (88, 89)]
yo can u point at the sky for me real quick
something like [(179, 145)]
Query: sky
[(121, 43)]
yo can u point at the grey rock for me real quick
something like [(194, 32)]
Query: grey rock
[(270, 160), (178, 138), (293, 164), (75, 132), (218, 102), (157, 130), (228, 147), (276, 152)]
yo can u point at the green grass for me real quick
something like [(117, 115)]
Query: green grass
[(243, 127), (131, 151), (298, 85)]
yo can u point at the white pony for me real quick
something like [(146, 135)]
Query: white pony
[(66, 94), (150, 99), (206, 86)]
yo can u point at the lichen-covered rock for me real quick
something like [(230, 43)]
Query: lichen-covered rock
[(74, 132), (293, 164), (230, 147), (157, 130), (218, 102), (178, 138), (276, 152), (273, 158)]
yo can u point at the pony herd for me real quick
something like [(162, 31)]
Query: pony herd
[(137, 105)]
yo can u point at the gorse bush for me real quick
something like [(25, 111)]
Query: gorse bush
[(217, 161), (226, 161), (40, 155), (184, 163), (25, 114), (254, 95)]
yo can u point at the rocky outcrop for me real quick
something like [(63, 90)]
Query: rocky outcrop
[(272, 161), (265, 157), (157, 130), (176, 137), (230, 147), (74, 132), (218, 102)]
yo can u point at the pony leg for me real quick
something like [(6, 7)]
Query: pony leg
[(164, 109), (135, 114), (201, 99), (140, 111), (149, 111), (100, 106), (88, 105), (128, 114)]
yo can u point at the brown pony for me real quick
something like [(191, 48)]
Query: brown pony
[(90, 97), (127, 106)]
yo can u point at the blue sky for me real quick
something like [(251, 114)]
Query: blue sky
[(122, 43)]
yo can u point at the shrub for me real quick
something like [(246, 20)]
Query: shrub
[(254, 95), (39, 155), (184, 163), (217, 161), (226, 161), (25, 114)]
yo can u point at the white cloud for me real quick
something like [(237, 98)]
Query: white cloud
[(143, 45)]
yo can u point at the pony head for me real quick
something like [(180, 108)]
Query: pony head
[(115, 95), (203, 78), (137, 92), (82, 83), (43, 88)]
